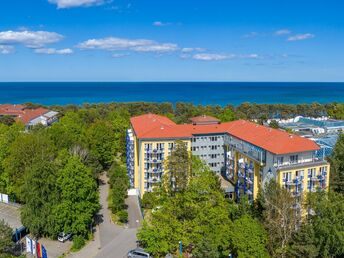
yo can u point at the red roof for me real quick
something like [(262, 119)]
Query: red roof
[(275, 141), (272, 140), (204, 120), (22, 113)]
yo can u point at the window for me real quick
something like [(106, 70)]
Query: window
[(323, 170), (279, 161), (287, 176), (148, 146), (294, 159), (299, 173), (160, 146), (311, 172)]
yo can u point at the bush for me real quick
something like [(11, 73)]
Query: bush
[(148, 200), (122, 216), (78, 243)]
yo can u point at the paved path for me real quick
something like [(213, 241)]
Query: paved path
[(10, 214), (111, 240), (134, 212), (107, 229)]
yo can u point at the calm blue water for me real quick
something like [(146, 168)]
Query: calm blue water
[(195, 92)]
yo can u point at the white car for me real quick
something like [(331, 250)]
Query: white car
[(62, 237), (138, 253)]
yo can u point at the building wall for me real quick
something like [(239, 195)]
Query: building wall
[(151, 157), (305, 179), (210, 148), (228, 152)]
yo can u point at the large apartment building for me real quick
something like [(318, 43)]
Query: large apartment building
[(244, 153)]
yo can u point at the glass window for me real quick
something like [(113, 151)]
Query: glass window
[(294, 159)]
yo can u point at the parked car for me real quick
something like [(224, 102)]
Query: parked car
[(62, 237), (138, 253)]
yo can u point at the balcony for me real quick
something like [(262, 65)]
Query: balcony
[(249, 192), (250, 170), (153, 180), (154, 151), (313, 178), (288, 181), (321, 177), (300, 164), (153, 160), (298, 180), (249, 180)]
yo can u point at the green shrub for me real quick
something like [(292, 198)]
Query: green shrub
[(78, 243), (148, 200), (122, 216)]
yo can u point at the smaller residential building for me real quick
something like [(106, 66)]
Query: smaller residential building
[(29, 116), (323, 130)]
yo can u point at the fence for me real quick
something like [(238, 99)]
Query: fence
[(10, 200)]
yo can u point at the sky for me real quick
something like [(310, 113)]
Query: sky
[(172, 40)]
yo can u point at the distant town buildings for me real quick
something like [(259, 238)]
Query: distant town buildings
[(323, 130), (29, 116), (244, 153)]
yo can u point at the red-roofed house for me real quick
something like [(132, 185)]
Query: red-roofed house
[(247, 154), (28, 116)]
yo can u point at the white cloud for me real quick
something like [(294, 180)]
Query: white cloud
[(219, 57), (119, 55), (301, 37), (282, 32), (53, 51), (138, 45), (161, 24), (6, 49), (76, 3), (112, 43), (158, 48), (212, 57), (32, 39), (250, 56), (191, 49)]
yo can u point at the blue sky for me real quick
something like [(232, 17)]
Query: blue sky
[(171, 40)]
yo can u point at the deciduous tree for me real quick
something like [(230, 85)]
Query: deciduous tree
[(5, 236), (280, 219)]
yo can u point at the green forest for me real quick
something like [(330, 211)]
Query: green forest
[(53, 172)]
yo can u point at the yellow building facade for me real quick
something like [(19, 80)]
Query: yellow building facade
[(245, 154)]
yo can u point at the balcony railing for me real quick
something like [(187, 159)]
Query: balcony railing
[(153, 160), (154, 150), (300, 163), (153, 180)]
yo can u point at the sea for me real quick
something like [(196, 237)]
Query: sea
[(204, 93)]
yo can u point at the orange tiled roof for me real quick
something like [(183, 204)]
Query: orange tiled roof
[(204, 119), (276, 141), (21, 113)]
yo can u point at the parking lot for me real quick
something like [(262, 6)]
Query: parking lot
[(11, 215)]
